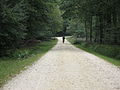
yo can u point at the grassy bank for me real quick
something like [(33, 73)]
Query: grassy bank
[(110, 53), (10, 66)]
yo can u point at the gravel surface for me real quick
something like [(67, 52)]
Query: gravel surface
[(67, 68)]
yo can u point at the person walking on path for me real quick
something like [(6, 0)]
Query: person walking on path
[(63, 39)]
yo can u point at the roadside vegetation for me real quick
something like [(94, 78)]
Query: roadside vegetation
[(95, 26), (110, 53), (21, 58), (25, 23), (26, 31), (98, 21)]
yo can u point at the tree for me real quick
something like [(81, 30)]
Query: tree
[(24, 20), (100, 18)]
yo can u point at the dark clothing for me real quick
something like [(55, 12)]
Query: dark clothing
[(63, 39)]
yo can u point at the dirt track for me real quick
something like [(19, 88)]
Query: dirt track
[(67, 68)]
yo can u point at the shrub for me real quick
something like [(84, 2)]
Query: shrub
[(21, 54), (112, 51)]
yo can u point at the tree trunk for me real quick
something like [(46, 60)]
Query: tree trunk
[(86, 31), (101, 28), (96, 37), (114, 14), (90, 28)]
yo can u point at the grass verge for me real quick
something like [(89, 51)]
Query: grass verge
[(106, 58), (10, 66)]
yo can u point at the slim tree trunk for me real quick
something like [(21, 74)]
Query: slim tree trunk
[(101, 28), (86, 31), (115, 18), (91, 29), (115, 25), (96, 37)]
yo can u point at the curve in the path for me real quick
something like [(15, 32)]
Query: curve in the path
[(67, 68)]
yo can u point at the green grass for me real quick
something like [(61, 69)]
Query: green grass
[(10, 66), (106, 58)]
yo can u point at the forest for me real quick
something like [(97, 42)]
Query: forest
[(95, 24), (96, 20), (28, 29), (24, 21)]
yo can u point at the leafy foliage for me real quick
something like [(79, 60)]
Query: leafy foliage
[(112, 51), (101, 19), (24, 20)]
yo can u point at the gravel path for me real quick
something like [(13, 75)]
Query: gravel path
[(67, 68)]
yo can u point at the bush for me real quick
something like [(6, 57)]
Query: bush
[(107, 50), (21, 54), (112, 51)]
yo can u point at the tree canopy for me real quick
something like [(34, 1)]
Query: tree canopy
[(23, 20), (99, 20)]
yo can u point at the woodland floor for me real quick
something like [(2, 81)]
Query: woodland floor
[(66, 67)]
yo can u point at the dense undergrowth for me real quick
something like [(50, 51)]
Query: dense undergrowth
[(107, 52), (10, 66)]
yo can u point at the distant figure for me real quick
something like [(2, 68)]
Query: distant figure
[(63, 39)]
